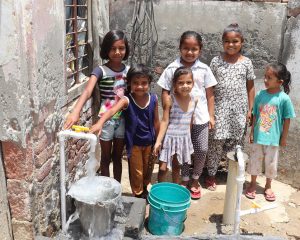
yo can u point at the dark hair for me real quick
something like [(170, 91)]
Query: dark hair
[(181, 71), (233, 27), (281, 72), (108, 41), (189, 34), (138, 70)]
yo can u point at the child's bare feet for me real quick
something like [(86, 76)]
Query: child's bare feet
[(195, 189), (210, 183)]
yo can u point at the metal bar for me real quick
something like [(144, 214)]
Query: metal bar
[(69, 33), (76, 72), (73, 59)]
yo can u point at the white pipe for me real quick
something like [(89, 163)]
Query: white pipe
[(256, 210), (230, 194), (240, 182), (62, 135)]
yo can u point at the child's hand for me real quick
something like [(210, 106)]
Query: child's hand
[(249, 118), (72, 118), (282, 142), (96, 128), (156, 148), (211, 124), (251, 138)]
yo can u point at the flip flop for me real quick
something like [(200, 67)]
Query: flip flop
[(270, 196), (195, 193), (210, 184), (250, 194)]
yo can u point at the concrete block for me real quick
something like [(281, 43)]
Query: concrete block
[(136, 217)]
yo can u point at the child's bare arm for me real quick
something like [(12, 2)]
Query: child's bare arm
[(285, 130), (163, 124), (121, 104), (251, 95), (73, 117), (164, 95), (156, 120), (252, 129), (211, 106)]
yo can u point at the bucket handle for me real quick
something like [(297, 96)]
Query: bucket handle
[(161, 207)]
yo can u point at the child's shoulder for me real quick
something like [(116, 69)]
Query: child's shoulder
[(174, 65)]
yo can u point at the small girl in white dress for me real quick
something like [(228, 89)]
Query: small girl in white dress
[(175, 128)]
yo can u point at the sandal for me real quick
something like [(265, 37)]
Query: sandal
[(250, 194), (195, 193), (210, 183), (269, 196)]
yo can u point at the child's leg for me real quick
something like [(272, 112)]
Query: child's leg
[(214, 156), (200, 143), (147, 165), (254, 168), (162, 173), (271, 162), (175, 170), (117, 153), (185, 174), (118, 147), (136, 170), (105, 157)]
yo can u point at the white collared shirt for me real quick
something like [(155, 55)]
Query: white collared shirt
[(203, 78)]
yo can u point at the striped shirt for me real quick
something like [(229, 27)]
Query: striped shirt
[(112, 86)]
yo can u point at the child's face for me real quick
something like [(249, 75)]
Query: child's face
[(139, 85), (184, 84), (271, 80), (190, 51), (232, 43), (117, 51)]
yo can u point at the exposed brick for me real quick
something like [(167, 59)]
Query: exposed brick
[(43, 156), (44, 170), (18, 161), (40, 143), (22, 230), (293, 12), (19, 200)]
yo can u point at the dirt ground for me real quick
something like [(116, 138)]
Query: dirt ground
[(205, 215)]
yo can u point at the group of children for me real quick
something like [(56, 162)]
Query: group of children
[(205, 113)]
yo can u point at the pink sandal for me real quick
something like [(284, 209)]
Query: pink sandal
[(195, 193), (250, 194)]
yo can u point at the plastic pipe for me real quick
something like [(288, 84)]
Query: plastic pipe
[(230, 194), (63, 135), (240, 182), (256, 210)]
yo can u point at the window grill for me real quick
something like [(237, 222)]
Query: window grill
[(77, 53)]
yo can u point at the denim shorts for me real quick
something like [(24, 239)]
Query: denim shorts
[(113, 128)]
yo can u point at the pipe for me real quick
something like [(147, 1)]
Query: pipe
[(63, 135), (230, 194), (240, 182), (256, 210)]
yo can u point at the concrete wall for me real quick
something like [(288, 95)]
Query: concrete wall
[(264, 24), (289, 163), (33, 103)]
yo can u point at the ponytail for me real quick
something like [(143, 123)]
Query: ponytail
[(283, 74)]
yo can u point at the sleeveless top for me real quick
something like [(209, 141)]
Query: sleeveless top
[(139, 123), (178, 135)]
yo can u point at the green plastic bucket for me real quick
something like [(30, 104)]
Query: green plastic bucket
[(168, 206)]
